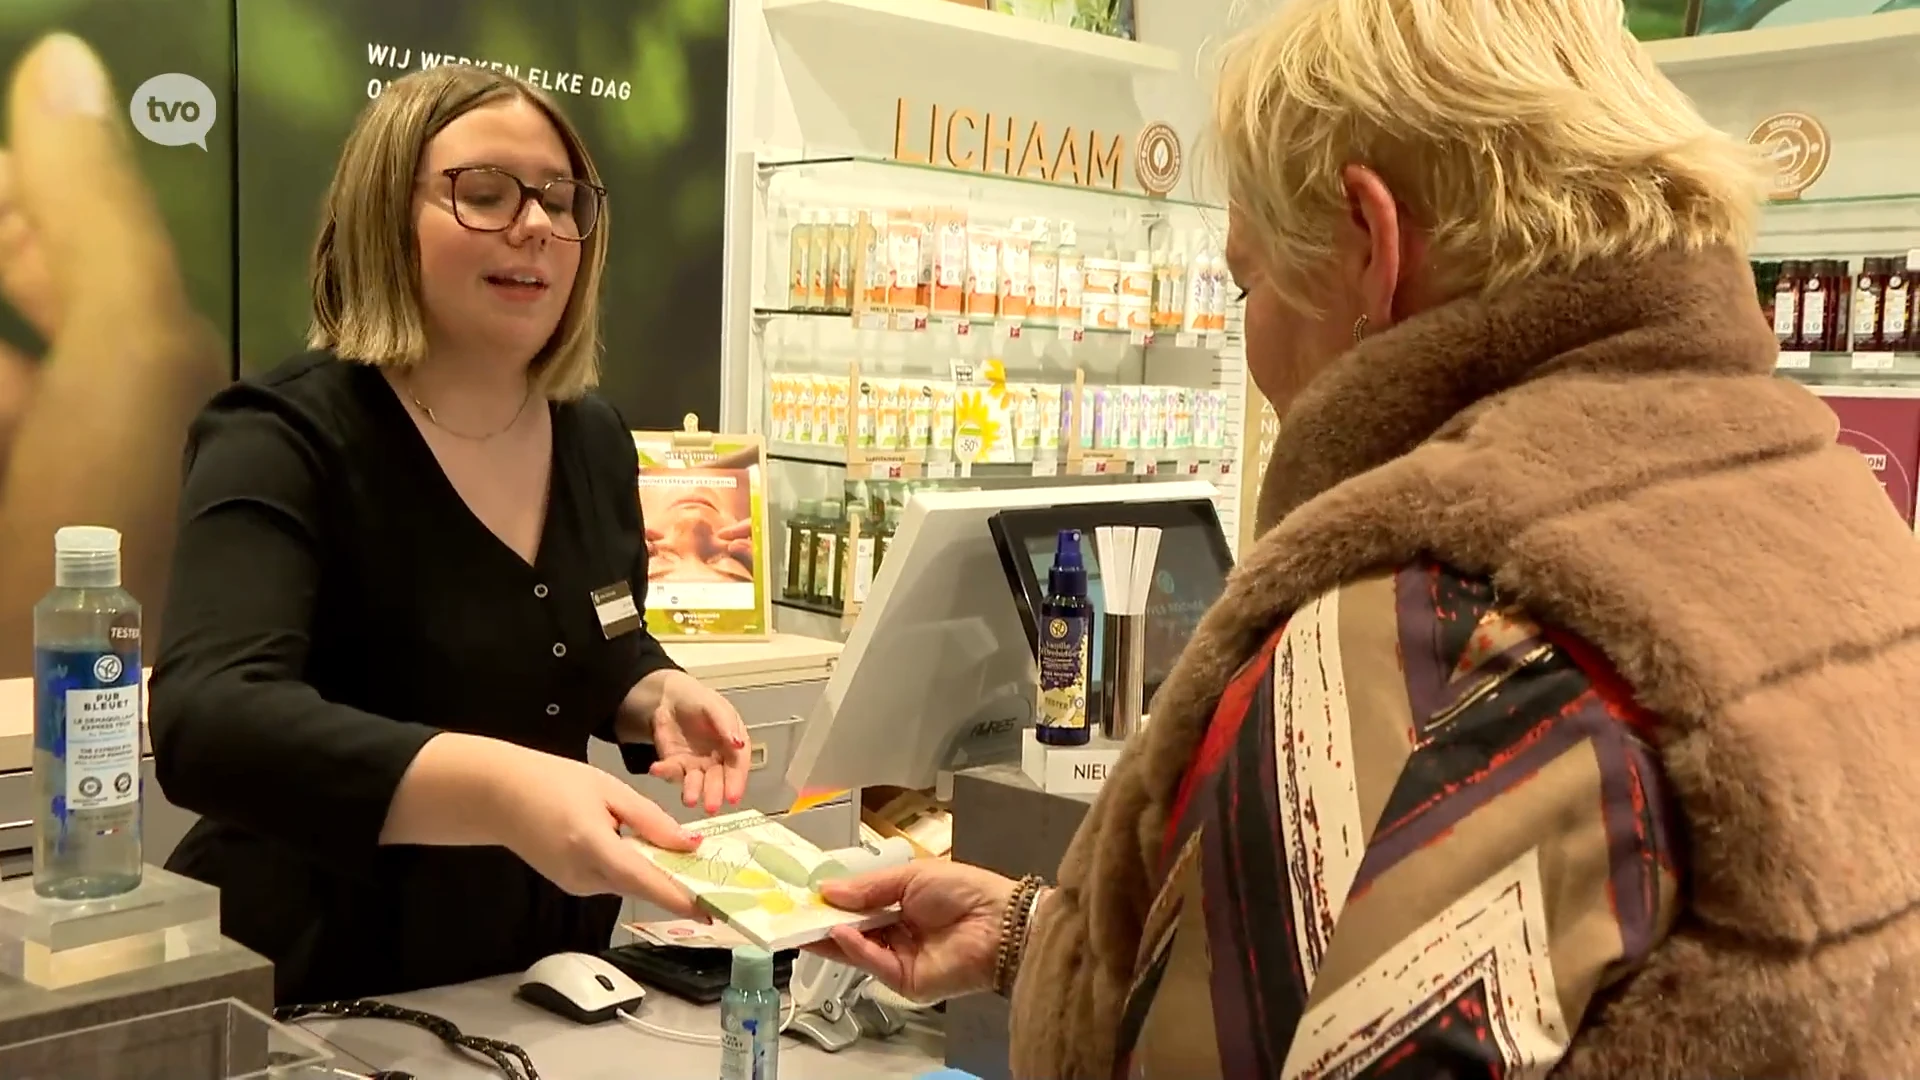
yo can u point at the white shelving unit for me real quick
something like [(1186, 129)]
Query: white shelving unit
[(943, 28), (1862, 39), (1866, 203), (834, 352)]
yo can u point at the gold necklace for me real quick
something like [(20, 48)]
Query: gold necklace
[(427, 411)]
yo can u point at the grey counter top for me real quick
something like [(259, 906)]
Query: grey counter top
[(614, 1051)]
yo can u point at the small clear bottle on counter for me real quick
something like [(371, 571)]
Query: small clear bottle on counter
[(750, 1018), (86, 735)]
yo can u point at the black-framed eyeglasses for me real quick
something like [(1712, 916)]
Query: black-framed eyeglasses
[(486, 199)]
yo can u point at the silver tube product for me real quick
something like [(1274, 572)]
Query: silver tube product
[(1123, 670)]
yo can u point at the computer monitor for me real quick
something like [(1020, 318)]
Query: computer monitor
[(938, 675), (1190, 571)]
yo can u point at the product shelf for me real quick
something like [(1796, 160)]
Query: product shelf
[(941, 27), (1000, 330), (1850, 368), (869, 441), (1858, 38), (1864, 224), (941, 182), (1091, 465)]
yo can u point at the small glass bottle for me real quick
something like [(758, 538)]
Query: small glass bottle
[(1071, 274), (86, 735), (1839, 281), (1869, 305), (798, 583), (1766, 280), (1896, 326), (1789, 288), (750, 1018), (828, 529), (799, 252), (1812, 333)]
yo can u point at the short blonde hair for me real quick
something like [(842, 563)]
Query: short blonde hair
[(1522, 136), (366, 264)]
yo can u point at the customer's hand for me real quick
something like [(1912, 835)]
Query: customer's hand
[(701, 742), (564, 818), (949, 929)]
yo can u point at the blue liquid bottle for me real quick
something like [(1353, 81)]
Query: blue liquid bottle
[(86, 732), (1066, 627), (750, 1018)]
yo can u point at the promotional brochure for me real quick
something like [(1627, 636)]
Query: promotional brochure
[(763, 880), (703, 502)]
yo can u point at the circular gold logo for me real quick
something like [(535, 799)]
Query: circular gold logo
[(1058, 628), (1156, 159), (1797, 148)]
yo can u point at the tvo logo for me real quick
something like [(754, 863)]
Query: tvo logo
[(173, 110)]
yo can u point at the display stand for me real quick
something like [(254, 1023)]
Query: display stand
[(55, 944), (220, 1040)]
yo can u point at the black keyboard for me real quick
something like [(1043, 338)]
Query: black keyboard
[(696, 975)]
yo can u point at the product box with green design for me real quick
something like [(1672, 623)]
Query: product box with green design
[(763, 880)]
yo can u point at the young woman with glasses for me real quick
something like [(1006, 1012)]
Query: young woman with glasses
[(407, 582)]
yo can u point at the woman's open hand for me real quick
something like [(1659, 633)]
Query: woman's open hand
[(701, 741)]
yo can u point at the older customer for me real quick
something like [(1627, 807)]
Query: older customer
[(1562, 717)]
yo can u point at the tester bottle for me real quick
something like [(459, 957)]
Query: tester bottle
[(86, 734), (750, 1018), (1066, 623)]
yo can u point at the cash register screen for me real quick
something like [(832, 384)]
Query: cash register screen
[(1190, 571)]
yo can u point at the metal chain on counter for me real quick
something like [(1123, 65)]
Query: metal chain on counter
[(511, 1060)]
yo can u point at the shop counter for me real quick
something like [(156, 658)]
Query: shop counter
[(563, 1050)]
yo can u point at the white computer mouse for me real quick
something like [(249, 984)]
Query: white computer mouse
[(583, 988)]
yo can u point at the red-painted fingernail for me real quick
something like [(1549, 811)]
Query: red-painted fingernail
[(739, 744)]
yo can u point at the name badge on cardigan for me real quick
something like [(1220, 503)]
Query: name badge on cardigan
[(616, 609)]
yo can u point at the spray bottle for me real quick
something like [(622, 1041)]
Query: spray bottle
[(1066, 627)]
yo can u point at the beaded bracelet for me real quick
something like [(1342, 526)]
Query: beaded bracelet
[(1013, 932)]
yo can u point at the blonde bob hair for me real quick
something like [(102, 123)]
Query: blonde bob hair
[(1521, 136), (366, 264)]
